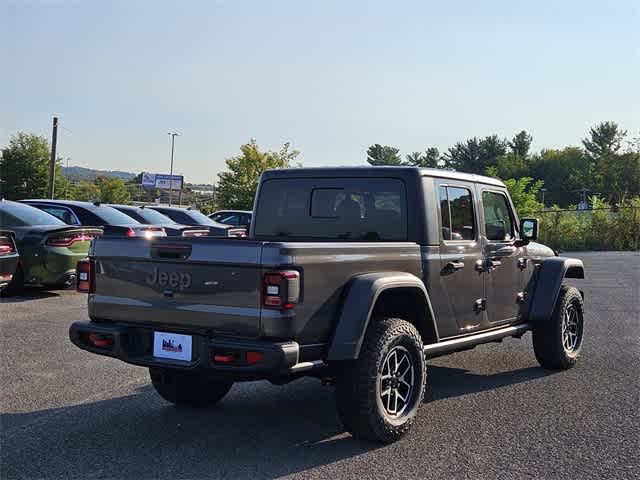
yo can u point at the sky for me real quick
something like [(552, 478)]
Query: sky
[(330, 77)]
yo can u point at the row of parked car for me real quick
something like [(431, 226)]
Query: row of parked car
[(42, 240)]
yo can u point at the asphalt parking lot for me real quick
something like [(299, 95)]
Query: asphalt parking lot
[(489, 413)]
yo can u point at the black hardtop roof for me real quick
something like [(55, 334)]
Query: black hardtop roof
[(381, 171)]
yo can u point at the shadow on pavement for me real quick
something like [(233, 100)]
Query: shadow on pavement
[(258, 431), (448, 382), (31, 293)]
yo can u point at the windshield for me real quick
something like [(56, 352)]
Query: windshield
[(14, 214), (111, 216)]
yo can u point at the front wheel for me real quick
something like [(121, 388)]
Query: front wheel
[(188, 389), (557, 341), (378, 395)]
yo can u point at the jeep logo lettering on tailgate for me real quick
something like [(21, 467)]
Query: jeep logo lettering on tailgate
[(171, 279)]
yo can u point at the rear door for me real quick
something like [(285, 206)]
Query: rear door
[(503, 261), (460, 253)]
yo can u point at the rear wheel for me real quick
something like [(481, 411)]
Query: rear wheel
[(188, 389), (378, 395), (558, 340)]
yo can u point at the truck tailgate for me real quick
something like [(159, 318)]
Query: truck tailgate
[(199, 282)]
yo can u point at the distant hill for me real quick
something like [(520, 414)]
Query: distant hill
[(81, 173)]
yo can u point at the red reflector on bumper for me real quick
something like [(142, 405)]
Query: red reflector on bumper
[(254, 357), (223, 358), (100, 341)]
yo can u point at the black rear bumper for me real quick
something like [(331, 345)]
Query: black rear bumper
[(134, 344)]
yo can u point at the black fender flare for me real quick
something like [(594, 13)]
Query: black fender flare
[(548, 281), (357, 306)]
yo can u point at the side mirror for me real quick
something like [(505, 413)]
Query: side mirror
[(529, 229)]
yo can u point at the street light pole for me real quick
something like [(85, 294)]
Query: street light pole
[(173, 138)]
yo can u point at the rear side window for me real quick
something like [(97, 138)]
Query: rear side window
[(456, 210), (62, 213), (350, 209), (15, 214)]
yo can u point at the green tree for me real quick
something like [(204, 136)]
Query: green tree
[(378, 155), (112, 190), (430, 158), (475, 155), (512, 165), (84, 191), (24, 168), (620, 176), (604, 139), (563, 172), (524, 193), (614, 174), (520, 144), (237, 186)]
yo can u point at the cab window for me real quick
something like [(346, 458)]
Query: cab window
[(456, 211), (498, 219)]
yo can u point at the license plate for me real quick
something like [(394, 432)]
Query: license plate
[(173, 346)]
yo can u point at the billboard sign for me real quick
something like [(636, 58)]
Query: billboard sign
[(162, 181)]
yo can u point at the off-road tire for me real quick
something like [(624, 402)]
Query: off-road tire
[(358, 382), (188, 389), (548, 342), (16, 285)]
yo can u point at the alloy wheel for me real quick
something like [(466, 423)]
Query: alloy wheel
[(397, 381)]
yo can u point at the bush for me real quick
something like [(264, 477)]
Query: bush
[(601, 228)]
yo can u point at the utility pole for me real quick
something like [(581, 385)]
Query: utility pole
[(52, 165), (173, 138), (543, 191)]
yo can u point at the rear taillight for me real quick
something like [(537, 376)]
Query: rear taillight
[(154, 232), (237, 232), (6, 246), (195, 233), (68, 239), (85, 276), (281, 289), (130, 232)]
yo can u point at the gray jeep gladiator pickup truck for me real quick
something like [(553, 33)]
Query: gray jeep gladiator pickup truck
[(352, 275)]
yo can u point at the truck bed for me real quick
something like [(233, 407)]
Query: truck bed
[(215, 285)]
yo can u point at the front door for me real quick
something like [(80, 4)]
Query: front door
[(460, 253), (503, 262)]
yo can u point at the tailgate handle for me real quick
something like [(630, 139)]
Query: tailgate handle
[(170, 250)]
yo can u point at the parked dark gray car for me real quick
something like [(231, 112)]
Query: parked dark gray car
[(352, 275), (152, 217), (189, 216), (236, 218), (109, 219)]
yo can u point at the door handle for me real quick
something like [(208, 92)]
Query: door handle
[(505, 251), (455, 265), (492, 264)]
